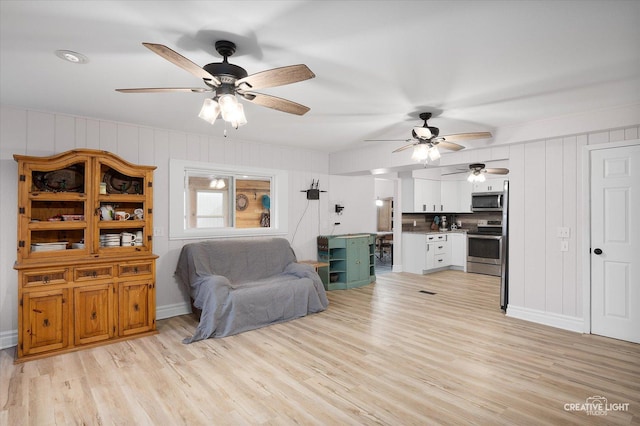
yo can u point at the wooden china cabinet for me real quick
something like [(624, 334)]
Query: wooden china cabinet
[(84, 277)]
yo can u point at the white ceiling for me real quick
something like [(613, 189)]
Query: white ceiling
[(478, 65)]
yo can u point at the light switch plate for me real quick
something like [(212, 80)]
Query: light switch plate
[(563, 232), (564, 245)]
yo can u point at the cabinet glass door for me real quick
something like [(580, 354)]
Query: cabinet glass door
[(122, 209), (55, 210)]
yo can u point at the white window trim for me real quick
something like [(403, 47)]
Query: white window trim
[(279, 201)]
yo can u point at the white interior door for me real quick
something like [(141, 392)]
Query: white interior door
[(615, 242)]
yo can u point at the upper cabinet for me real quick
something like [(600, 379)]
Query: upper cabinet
[(455, 196), (78, 203), (420, 195), (490, 185), (434, 196)]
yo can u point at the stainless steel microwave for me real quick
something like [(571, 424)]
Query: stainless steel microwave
[(486, 201)]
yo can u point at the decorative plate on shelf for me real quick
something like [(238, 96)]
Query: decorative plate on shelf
[(64, 180), (242, 202), (117, 183)]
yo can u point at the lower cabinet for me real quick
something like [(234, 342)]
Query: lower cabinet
[(94, 313), (137, 307), (438, 252), (424, 253), (45, 321), (67, 307)]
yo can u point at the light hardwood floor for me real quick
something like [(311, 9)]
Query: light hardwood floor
[(382, 354)]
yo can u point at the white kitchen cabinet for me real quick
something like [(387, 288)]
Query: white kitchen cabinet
[(458, 243), (421, 195), (414, 252), (489, 185), (450, 196), (425, 253), (464, 196), (455, 196), (438, 251), (433, 196)]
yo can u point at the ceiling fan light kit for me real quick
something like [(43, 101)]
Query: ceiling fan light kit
[(477, 172), (425, 141), (227, 80), (476, 177)]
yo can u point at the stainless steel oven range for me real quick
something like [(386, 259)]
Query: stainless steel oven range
[(484, 249)]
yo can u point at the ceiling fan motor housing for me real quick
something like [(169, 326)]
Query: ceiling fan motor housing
[(226, 72), (476, 167)]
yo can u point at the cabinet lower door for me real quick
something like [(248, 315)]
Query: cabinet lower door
[(94, 313), (45, 321), (358, 260), (136, 303)]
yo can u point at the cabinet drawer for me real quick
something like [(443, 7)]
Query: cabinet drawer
[(440, 260), (439, 248), (45, 277), (135, 269), (432, 238), (89, 273)]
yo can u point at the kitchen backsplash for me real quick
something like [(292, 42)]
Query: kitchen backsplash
[(423, 221)]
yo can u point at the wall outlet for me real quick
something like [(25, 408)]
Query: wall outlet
[(158, 231), (563, 232), (564, 245)]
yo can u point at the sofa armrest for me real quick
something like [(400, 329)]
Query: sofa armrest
[(301, 270)]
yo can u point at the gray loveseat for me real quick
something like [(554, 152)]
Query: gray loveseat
[(243, 284)]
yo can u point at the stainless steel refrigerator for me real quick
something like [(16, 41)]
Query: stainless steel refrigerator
[(504, 280)]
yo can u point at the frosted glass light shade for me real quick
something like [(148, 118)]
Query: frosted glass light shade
[(434, 153), (420, 152), (210, 111), (476, 177)]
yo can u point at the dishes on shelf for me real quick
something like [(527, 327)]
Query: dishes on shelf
[(70, 179), (110, 240), (57, 245), (118, 183), (72, 217)]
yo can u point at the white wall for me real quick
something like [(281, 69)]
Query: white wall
[(29, 132), (545, 193), (357, 196)]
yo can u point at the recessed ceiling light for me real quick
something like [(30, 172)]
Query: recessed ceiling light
[(71, 56)]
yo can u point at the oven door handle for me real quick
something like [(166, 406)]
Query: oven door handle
[(485, 237)]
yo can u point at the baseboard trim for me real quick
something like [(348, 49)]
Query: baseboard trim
[(10, 338), (564, 322), (174, 310)]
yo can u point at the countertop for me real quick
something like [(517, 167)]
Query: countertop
[(449, 231)]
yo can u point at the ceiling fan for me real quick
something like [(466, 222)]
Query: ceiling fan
[(226, 80), (477, 172), (426, 139)]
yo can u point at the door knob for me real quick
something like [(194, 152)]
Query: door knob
[(597, 251)]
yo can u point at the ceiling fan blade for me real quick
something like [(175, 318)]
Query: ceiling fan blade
[(455, 173), (165, 90), (450, 146), (498, 171), (387, 140), (184, 63), (466, 136), (402, 148), (276, 77), (274, 102)]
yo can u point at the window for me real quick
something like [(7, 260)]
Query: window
[(209, 200), (209, 210)]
